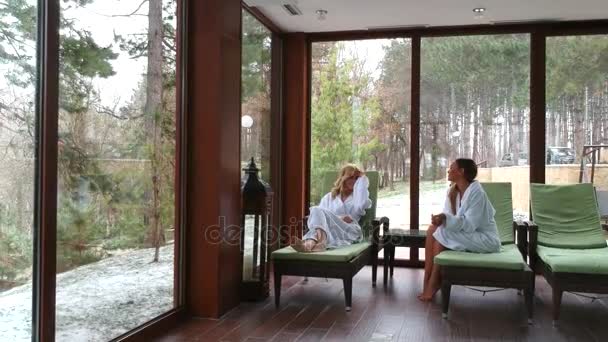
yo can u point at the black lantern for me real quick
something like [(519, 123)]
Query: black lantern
[(255, 234)]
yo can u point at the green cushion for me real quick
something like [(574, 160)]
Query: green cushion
[(499, 195), (567, 216), (341, 254), (590, 261), (329, 178), (509, 258)]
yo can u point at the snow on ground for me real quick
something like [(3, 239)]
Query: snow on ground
[(99, 301)]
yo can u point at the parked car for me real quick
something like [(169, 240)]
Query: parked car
[(560, 155), (507, 159)]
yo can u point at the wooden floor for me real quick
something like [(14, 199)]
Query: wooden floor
[(314, 311)]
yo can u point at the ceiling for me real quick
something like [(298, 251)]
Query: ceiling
[(345, 15)]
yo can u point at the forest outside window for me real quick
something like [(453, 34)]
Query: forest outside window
[(116, 166), (577, 110), (474, 104), (18, 82)]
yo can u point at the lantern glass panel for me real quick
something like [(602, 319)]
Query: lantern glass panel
[(251, 247)]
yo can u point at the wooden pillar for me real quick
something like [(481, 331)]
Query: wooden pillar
[(537, 107), (213, 167), (296, 130)]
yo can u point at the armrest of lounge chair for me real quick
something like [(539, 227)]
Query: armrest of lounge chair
[(532, 243), (379, 223), (520, 231)]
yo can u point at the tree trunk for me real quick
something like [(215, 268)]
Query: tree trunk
[(153, 114)]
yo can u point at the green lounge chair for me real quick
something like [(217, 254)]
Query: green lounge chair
[(505, 269), (341, 263), (566, 242)]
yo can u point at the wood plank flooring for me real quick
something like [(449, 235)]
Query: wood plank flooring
[(314, 311)]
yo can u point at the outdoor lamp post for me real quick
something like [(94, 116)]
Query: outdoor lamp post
[(255, 234)]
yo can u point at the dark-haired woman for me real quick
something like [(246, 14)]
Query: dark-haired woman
[(466, 223)]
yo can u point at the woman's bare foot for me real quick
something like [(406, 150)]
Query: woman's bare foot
[(425, 298), (319, 247), (305, 246), (298, 245)]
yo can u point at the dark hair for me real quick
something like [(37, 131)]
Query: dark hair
[(469, 167)]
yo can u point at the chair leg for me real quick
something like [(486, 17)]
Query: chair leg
[(529, 297), (348, 291), (374, 266), (277, 288), (446, 288), (557, 303)]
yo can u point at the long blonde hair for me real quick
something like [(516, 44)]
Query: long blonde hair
[(346, 172)]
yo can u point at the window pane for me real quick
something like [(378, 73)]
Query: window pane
[(18, 79), (115, 219), (474, 104), (256, 121), (361, 114), (577, 113)]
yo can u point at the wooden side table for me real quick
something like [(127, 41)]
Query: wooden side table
[(400, 238)]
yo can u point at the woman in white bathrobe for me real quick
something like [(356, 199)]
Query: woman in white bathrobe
[(466, 223), (335, 221)]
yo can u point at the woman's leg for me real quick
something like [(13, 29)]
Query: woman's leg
[(428, 252), (434, 283)]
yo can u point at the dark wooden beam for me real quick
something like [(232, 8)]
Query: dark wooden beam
[(181, 155), (262, 18), (295, 135), (45, 226), (213, 176), (551, 28), (537, 107), (415, 141), (276, 109), (155, 328)]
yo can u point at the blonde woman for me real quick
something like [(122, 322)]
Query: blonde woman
[(335, 221)]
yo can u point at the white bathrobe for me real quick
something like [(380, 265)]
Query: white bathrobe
[(473, 228), (328, 216)]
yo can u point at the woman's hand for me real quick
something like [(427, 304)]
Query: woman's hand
[(438, 220), (359, 173), (347, 219)]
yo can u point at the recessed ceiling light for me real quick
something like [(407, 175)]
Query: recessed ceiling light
[(321, 14), (478, 12)]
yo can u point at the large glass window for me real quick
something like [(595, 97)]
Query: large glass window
[(18, 79), (256, 122), (474, 104), (360, 114), (256, 65), (116, 166), (577, 113)]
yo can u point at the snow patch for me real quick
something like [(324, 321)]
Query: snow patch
[(99, 301)]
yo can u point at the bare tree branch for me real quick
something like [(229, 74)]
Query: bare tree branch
[(132, 13)]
